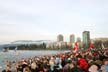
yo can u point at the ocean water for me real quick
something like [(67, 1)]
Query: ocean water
[(12, 55)]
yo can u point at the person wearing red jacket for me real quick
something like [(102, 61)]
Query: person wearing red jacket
[(82, 63)]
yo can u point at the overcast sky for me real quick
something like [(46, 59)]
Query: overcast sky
[(45, 19)]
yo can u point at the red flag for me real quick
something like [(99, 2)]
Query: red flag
[(91, 45), (75, 49)]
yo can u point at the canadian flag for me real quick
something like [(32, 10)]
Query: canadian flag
[(91, 45), (75, 49)]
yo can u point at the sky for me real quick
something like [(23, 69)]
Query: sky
[(45, 19)]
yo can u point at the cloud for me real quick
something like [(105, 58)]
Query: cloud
[(40, 7), (43, 18)]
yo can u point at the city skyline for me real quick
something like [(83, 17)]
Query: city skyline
[(45, 19)]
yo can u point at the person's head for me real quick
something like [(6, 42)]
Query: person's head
[(99, 62), (7, 68), (71, 65), (89, 57), (51, 63), (79, 57), (93, 68), (105, 62), (26, 69), (45, 68), (33, 65)]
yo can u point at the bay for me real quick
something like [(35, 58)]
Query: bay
[(12, 55)]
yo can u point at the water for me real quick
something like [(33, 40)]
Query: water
[(12, 55)]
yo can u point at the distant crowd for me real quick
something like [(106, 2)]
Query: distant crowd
[(94, 60)]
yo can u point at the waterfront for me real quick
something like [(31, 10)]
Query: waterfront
[(12, 55)]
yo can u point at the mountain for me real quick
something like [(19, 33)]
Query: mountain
[(31, 42), (20, 42)]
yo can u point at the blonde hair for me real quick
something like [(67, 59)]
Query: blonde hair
[(52, 63), (33, 65), (26, 69)]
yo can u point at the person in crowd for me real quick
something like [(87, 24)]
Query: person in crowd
[(104, 67), (90, 60), (52, 63), (73, 67), (23, 65), (7, 69), (34, 67), (93, 68), (82, 64), (26, 69), (57, 68), (82, 61)]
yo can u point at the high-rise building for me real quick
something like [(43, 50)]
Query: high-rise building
[(72, 38), (79, 42), (60, 38), (78, 39), (86, 39)]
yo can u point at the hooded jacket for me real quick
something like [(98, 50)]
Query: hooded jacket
[(83, 64)]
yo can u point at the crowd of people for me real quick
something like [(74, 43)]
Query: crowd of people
[(95, 60)]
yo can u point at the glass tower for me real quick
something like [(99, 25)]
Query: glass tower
[(86, 39)]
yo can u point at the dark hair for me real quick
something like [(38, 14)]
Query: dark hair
[(79, 56), (69, 61)]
